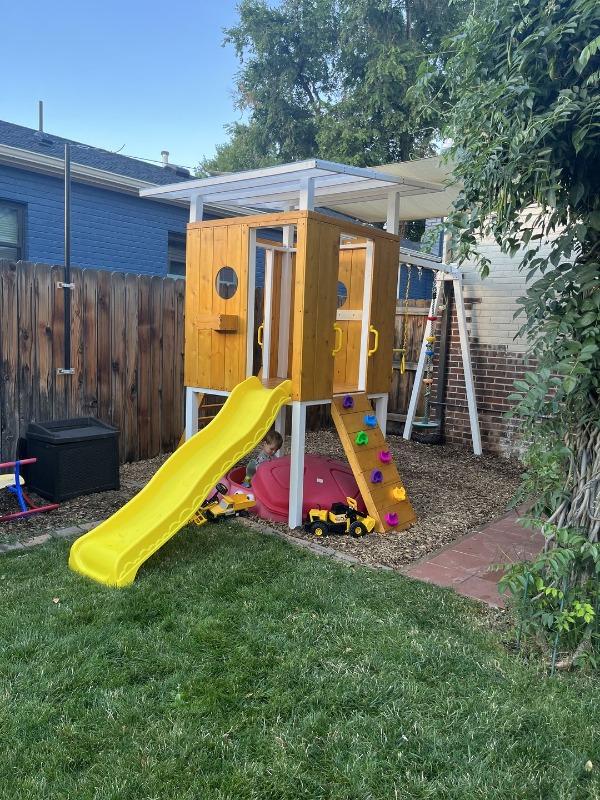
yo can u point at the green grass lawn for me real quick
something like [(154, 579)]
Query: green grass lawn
[(238, 667)]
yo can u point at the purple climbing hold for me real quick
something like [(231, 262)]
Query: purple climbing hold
[(385, 456), (348, 401), (370, 420), (377, 476), (392, 519)]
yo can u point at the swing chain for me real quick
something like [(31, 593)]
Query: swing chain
[(405, 322)]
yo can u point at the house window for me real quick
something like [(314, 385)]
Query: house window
[(176, 254), (11, 231)]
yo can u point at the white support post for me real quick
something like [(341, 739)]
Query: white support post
[(192, 406), (251, 289), (363, 362), (381, 407), (466, 361), (297, 464), (416, 390), (285, 304), (280, 426), (267, 315), (393, 213), (196, 208), (307, 195)]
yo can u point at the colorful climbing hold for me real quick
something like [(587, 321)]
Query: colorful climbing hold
[(370, 420), (361, 438), (399, 493), (428, 352), (348, 401), (391, 519), (432, 319), (377, 476), (385, 456)]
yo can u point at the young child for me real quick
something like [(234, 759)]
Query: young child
[(271, 444)]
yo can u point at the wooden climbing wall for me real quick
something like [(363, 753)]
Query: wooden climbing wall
[(380, 498)]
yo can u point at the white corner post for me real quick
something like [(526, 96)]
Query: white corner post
[(192, 407), (267, 314), (307, 195), (381, 407), (392, 224), (280, 426), (196, 208), (467, 367), (250, 312), (285, 302), (416, 390), (297, 464), (363, 359)]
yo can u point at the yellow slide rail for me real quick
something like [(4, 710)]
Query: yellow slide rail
[(113, 552)]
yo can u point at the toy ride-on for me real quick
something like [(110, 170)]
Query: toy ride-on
[(222, 504), (340, 518)]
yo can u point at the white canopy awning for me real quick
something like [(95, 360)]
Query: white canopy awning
[(355, 191)]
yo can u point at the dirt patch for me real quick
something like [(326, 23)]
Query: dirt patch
[(453, 493)]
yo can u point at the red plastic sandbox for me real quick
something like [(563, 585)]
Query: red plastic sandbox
[(326, 481)]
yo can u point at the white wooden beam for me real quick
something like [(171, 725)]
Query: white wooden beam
[(267, 315), (393, 213), (381, 406), (363, 362), (467, 368), (192, 406), (250, 301), (196, 208), (285, 302), (307, 194), (297, 464)]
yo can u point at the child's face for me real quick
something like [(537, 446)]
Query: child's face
[(269, 448)]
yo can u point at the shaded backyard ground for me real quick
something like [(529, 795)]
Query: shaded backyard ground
[(453, 493)]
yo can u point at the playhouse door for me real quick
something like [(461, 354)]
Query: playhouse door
[(382, 316), (353, 317), (273, 336)]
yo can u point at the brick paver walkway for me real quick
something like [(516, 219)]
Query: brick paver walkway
[(466, 565)]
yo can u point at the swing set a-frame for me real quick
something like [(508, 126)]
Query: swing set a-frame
[(443, 274)]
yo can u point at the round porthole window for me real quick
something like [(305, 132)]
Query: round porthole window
[(226, 282), (342, 294)]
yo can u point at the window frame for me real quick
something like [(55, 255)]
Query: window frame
[(20, 246), (181, 237)]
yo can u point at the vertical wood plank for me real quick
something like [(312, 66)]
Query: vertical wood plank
[(26, 346), (9, 412), (60, 383), (118, 356), (74, 383), (103, 322), (178, 386), (144, 366), (132, 448), (168, 370), (89, 315), (42, 302), (156, 362)]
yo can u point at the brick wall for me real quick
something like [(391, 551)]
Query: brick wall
[(498, 354), (109, 229)]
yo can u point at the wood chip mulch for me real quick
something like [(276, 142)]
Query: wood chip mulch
[(453, 493)]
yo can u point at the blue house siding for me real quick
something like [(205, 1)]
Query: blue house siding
[(109, 230)]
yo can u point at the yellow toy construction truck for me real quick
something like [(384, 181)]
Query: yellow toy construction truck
[(340, 518), (222, 504)]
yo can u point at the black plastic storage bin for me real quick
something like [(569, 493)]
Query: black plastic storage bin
[(74, 457)]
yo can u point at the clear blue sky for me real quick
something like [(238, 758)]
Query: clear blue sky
[(141, 73)]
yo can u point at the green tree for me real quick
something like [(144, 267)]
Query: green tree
[(329, 79), (523, 113)]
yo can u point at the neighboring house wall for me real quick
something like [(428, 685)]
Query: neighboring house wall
[(498, 357), (111, 230)]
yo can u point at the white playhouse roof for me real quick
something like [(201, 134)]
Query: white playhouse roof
[(421, 187)]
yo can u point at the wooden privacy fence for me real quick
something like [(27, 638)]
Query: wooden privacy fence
[(126, 351)]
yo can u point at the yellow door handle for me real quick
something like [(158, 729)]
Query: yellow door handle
[(337, 347), (259, 334), (375, 333)]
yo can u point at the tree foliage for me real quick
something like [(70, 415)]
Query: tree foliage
[(524, 116), (329, 78)]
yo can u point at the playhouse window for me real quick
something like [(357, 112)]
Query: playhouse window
[(11, 231), (342, 294), (176, 254), (226, 282)]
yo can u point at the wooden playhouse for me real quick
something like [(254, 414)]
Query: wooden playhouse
[(330, 288)]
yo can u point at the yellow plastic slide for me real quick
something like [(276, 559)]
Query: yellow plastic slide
[(113, 552)]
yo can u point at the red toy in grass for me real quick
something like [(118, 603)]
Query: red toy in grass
[(326, 481)]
